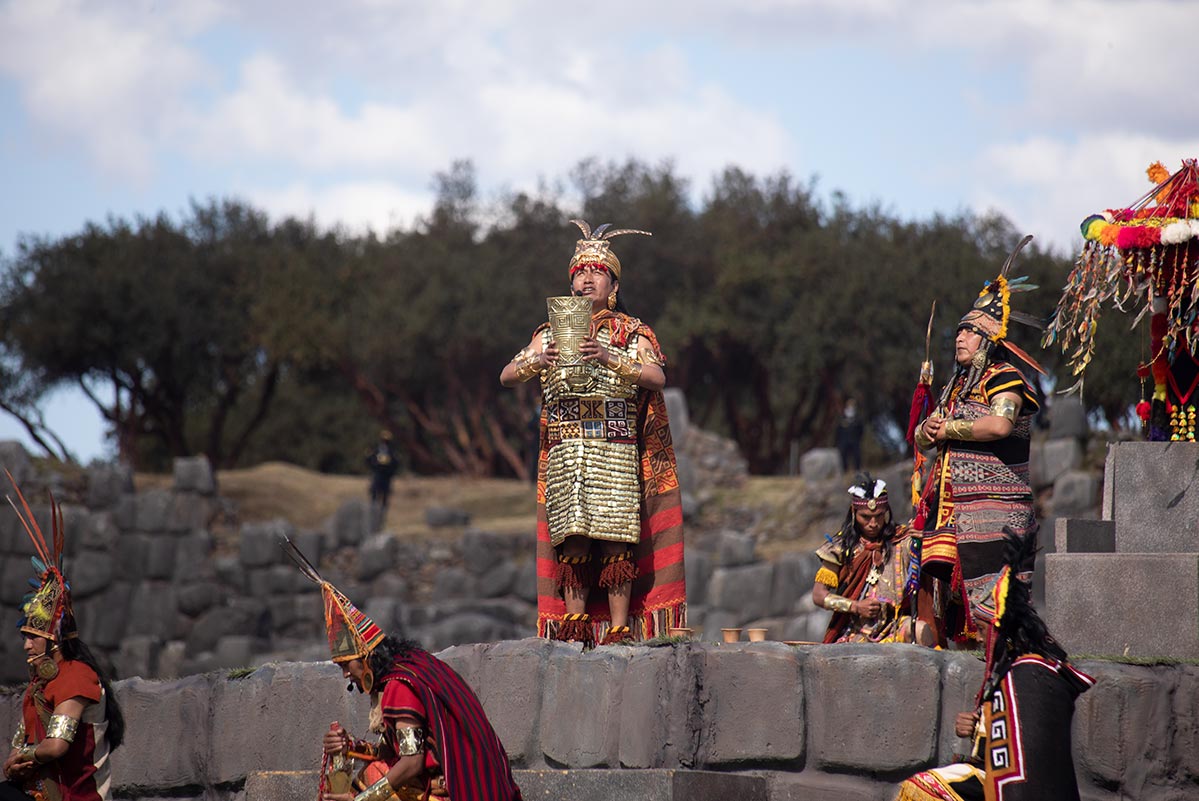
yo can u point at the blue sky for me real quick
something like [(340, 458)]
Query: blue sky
[(1044, 111)]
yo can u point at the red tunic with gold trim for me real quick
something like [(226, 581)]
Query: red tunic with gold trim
[(82, 773)]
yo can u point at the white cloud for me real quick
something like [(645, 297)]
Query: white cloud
[(102, 81), (378, 206), (1048, 186)]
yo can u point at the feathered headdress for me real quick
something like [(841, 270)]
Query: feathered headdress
[(593, 248), (47, 611), (352, 635), (869, 493), (993, 311)]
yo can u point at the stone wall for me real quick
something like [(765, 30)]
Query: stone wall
[(834, 722)]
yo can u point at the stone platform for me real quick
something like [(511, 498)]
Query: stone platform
[(754, 720), (1129, 584)]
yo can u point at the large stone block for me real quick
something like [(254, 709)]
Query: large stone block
[(744, 591), (903, 679), (1076, 493), (376, 554), (961, 677), (1097, 603), (103, 618), (498, 580), (1118, 730), (274, 719), (106, 483), (261, 543), (153, 610), (820, 464), (698, 568), (734, 548), (166, 735), (1068, 418), (659, 785), (1185, 710), (195, 474), (351, 523), (811, 784), (151, 511), (160, 558), (661, 708), (1072, 535), (580, 712), (190, 512), (193, 557), (15, 459), (676, 410), (509, 681), (794, 575), (1058, 456), (137, 656), (100, 533), (1155, 488), (755, 702), (482, 549)]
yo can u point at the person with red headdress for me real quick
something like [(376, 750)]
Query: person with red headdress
[(432, 737), (609, 508), (70, 719)]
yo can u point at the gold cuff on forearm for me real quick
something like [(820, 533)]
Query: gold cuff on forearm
[(628, 369), (18, 737), (962, 430), (528, 364), (379, 791), (28, 752), (837, 603), (410, 740), (1005, 408), (62, 727)]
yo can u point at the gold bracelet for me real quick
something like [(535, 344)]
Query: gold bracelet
[(379, 791), (837, 603), (1005, 408), (628, 369), (923, 442), (18, 737), (528, 364), (962, 430)]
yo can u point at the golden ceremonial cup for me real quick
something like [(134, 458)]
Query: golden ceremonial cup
[(570, 323)]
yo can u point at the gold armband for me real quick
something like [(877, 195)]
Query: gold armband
[(18, 737), (410, 740), (649, 357), (379, 791), (1005, 408), (628, 369), (962, 430), (29, 752), (837, 603), (62, 727), (528, 364), (827, 577)]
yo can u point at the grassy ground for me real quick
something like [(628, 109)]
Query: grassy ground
[(307, 498)]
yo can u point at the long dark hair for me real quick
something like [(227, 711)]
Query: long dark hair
[(75, 649), (387, 652), (850, 536), (1021, 630)]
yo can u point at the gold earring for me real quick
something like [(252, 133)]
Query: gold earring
[(979, 359), (612, 300)]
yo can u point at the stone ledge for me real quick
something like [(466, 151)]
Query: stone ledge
[(576, 785), (1072, 535)]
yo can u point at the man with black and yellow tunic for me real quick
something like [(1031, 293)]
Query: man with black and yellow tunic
[(981, 428)]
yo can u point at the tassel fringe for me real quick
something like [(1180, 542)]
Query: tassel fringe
[(576, 628), (574, 572), (617, 570)]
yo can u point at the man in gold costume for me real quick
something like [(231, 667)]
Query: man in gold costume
[(609, 508)]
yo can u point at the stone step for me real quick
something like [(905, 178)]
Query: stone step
[(1073, 535), (1133, 604), (1151, 492), (577, 785)]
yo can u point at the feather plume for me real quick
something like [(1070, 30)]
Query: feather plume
[(301, 561), (622, 231), (1027, 319), (1007, 265)]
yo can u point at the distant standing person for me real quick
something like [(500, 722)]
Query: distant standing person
[(382, 462), (849, 437)]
